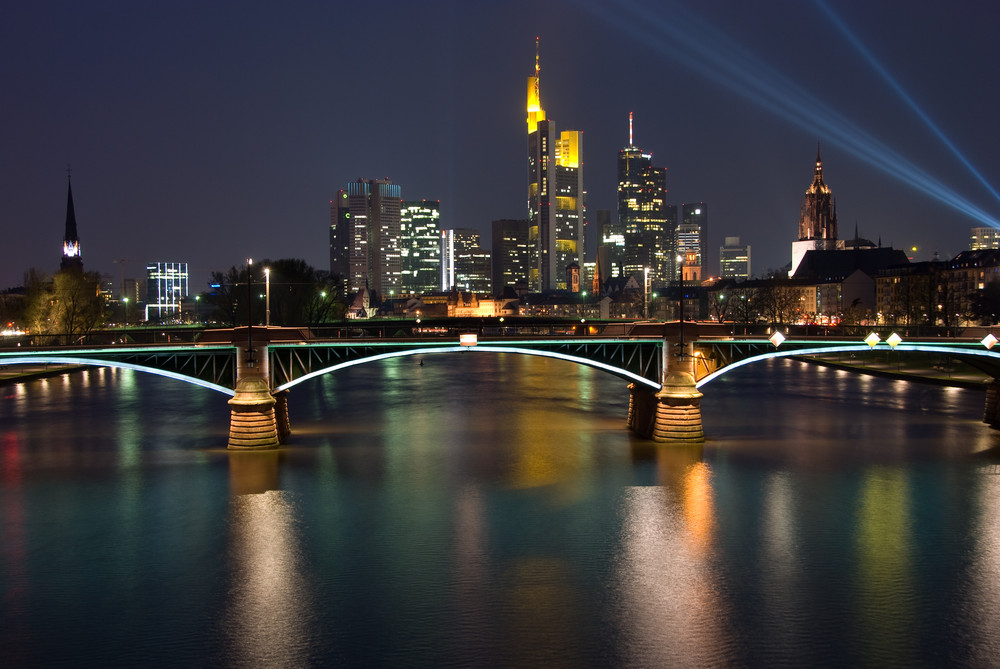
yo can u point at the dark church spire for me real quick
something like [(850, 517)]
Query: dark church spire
[(71, 258)]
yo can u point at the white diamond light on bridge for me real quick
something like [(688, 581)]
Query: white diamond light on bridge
[(776, 339), (872, 339), (893, 340), (989, 340)]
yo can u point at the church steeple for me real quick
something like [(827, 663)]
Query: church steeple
[(818, 216), (71, 258)]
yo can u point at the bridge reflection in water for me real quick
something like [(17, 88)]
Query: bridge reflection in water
[(667, 365)]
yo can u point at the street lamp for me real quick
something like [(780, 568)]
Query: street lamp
[(680, 300), (645, 293), (267, 293), (125, 311), (249, 312)]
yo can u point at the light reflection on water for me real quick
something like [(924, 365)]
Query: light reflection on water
[(480, 510)]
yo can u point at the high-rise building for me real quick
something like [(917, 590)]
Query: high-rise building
[(555, 194), (71, 257), (642, 213), (984, 238), (817, 218), (511, 253), (465, 264), (365, 236), (692, 235), (734, 260), (166, 286), (420, 246)]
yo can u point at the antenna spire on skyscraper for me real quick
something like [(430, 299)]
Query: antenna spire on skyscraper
[(630, 129), (537, 68)]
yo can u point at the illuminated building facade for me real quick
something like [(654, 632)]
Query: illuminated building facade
[(71, 257), (643, 219), (555, 194), (511, 253), (465, 264), (984, 238), (817, 218), (166, 287), (734, 260), (420, 246), (365, 236), (691, 238)]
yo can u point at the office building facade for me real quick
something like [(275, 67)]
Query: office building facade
[(984, 238), (465, 264), (365, 236), (511, 253), (692, 236), (555, 194), (643, 214), (420, 246), (734, 260), (166, 287)]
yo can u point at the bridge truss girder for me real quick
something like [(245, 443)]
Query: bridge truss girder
[(288, 363)]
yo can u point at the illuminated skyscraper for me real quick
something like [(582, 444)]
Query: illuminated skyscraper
[(734, 260), (555, 194), (71, 257), (465, 264), (817, 218), (166, 286), (692, 235), (643, 213), (420, 246), (511, 253), (365, 236)]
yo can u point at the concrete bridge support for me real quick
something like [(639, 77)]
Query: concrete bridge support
[(672, 415), (252, 423), (991, 414)]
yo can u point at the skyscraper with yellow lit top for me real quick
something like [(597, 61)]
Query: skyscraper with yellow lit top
[(555, 194)]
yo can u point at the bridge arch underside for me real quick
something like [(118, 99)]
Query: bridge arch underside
[(620, 372), (75, 361), (985, 361)]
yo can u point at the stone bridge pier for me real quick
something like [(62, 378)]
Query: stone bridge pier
[(258, 419), (673, 414)]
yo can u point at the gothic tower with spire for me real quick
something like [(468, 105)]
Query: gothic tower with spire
[(71, 258), (817, 218)]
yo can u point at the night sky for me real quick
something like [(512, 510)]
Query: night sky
[(207, 132)]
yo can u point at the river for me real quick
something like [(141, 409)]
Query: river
[(484, 510)]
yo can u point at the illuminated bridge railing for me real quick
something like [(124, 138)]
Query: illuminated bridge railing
[(213, 365), (630, 358)]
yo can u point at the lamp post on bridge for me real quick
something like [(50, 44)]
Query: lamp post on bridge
[(250, 362), (267, 298)]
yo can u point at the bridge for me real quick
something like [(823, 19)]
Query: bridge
[(666, 365)]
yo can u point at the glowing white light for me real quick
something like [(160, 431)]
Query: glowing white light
[(70, 360), (989, 340), (776, 339), (872, 339), (893, 340)]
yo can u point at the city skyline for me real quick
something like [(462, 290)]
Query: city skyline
[(208, 136)]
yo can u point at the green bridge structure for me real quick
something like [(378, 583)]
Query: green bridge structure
[(666, 365)]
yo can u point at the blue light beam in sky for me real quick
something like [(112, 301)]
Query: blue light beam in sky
[(859, 45), (686, 38)]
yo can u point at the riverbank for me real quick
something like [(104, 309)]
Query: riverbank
[(954, 373)]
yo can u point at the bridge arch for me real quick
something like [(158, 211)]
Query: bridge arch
[(921, 348), (480, 348), (94, 362)]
